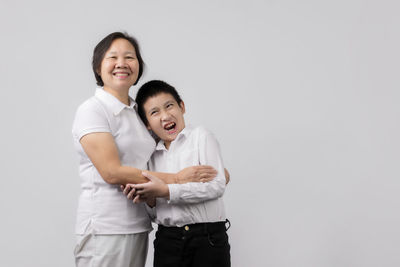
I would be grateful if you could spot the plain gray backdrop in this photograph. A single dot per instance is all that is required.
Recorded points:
(302, 95)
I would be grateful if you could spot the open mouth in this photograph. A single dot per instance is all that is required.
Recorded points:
(121, 74)
(170, 126)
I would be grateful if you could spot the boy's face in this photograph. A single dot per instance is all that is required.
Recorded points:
(164, 116)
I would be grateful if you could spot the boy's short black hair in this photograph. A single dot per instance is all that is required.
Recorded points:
(102, 47)
(150, 89)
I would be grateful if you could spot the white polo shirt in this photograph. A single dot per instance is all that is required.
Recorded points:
(191, 202)
(102, 205)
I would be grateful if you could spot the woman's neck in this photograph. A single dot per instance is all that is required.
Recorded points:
(122, 94)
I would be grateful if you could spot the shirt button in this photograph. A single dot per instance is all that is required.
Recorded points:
(187, 228)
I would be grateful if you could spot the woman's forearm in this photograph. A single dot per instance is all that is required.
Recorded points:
(123, 175)
(168, 178)
(102, 151)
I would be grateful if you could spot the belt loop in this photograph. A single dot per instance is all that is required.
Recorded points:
(229, 224)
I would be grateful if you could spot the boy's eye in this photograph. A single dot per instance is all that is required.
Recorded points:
(169, 105)
(129, 57)
(153, 112)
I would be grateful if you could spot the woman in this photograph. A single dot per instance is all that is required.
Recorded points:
(113, 147)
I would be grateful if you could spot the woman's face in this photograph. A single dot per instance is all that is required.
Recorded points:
(119, 68)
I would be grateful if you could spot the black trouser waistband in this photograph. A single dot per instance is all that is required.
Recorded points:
(197, 227)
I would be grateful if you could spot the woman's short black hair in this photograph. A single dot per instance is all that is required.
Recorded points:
(102, 47)
(150, 89)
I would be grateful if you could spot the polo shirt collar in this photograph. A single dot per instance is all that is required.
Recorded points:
(184, 133)
(112, 102)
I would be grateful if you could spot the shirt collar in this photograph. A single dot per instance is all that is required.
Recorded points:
(112, 102)
(183, 134)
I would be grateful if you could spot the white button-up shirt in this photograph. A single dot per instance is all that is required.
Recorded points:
(102, 205)
(191, 202)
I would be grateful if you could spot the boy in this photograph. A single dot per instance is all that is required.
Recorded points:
(190, 217)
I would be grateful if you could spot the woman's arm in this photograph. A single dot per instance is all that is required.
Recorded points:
(189, 192)
(102, 151)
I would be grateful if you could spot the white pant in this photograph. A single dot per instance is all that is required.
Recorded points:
(128, 250)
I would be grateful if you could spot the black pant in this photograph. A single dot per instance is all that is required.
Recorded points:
(194, 245)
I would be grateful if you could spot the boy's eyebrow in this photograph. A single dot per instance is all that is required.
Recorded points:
(152, 109)
(168, 101)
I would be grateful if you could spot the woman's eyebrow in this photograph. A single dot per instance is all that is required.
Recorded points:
(125, 53)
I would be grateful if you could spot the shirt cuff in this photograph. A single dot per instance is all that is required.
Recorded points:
(173, 193)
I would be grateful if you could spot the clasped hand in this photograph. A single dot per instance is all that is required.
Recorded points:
(146, 192)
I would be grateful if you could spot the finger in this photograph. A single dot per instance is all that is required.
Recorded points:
(122, 187)
(141, 186)
(205, 180)
(131, 194)
(141, 193)
(210, 171)
(206, 168)
(127, 189)
(136, 199)
(208, 175)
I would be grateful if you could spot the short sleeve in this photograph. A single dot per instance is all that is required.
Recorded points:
(90, 118)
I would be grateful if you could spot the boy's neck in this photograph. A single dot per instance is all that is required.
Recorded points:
(167, 144)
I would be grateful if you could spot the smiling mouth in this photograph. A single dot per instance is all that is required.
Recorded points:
(170, 126)
(121, 74)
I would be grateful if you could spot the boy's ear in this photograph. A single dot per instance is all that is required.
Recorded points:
(148, 126)
(182, 105)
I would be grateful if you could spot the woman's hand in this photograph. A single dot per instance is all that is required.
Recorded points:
(227, 176)
(202, 173)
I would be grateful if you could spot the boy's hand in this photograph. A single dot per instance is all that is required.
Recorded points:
(129, 191)
(152, 189)
(197, 174)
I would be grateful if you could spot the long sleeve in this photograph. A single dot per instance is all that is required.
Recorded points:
(209, 154)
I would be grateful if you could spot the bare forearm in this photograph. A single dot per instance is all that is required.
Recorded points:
(129, 175)
(123, 175)
(168, 178)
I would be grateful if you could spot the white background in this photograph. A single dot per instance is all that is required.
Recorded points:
(302, 95)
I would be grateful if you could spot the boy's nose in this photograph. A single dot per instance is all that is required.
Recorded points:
(165, 115)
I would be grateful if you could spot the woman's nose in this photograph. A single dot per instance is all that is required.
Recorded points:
(121, 63)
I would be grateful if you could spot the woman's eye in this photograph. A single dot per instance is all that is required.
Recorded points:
(153, 113)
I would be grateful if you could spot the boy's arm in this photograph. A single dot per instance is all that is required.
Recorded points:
(103, 152)
(210, 154)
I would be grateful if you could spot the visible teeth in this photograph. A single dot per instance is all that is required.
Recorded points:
(169, 126)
